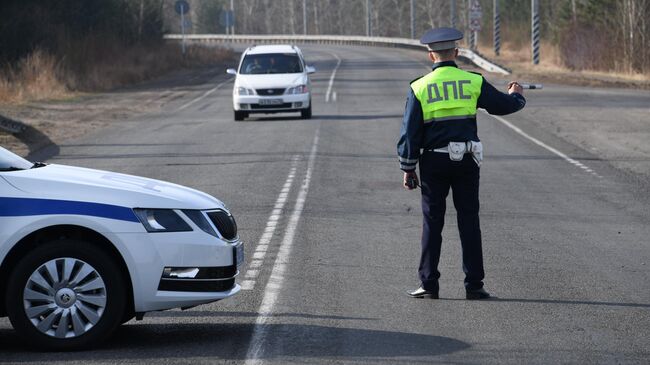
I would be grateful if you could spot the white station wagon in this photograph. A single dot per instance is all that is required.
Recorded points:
(272, 79)
(82, 251)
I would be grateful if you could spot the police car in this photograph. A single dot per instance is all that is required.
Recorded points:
(272, 79)
(82, 250)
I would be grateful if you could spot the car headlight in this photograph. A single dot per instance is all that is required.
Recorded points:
(161, 220)
(301, 89)
(245, 91)
(201, 221)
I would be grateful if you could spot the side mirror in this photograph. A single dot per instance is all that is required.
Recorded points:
(231, 71)
(310, 69)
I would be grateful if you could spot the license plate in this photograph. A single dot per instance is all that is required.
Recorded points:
(270, 101)
(238, 253)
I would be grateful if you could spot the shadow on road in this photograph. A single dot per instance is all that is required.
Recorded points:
(315, 117)
(191, 313)
(216, 341)
(559, 301)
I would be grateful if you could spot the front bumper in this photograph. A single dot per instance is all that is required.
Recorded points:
(148, 255)
(271, 104)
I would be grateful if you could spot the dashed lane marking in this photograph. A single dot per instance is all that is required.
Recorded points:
(262, 246)
(274, 285)
(544, 145)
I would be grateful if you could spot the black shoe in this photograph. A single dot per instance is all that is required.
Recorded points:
(477, 294)
(422, 293)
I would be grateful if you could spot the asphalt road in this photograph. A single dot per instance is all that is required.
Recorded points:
(565, 232)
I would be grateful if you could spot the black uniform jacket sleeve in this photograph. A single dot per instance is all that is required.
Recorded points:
(498, 103)
(410, 140)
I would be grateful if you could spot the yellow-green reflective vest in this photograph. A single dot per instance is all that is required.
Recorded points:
(448, 93)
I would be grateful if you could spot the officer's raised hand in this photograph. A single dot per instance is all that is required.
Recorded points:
(514, 87)
(411, 180)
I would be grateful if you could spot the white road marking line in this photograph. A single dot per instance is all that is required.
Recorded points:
(205, 94)
(255, 264)
(542, 144)
(252, 273)
(276, 279)
(331, 83)
(263, 244)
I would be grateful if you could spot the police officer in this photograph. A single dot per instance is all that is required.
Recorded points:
(439, 131)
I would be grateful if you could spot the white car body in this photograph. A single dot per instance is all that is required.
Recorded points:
(33, 199)
(271, 92)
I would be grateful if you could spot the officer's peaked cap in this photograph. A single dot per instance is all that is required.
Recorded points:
(439, 39)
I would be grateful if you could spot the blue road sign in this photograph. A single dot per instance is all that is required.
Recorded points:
(181, 7)
(227, 18)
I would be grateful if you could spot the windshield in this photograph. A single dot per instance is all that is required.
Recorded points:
(10, 161)
(271, 63)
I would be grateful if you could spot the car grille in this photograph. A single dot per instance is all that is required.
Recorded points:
(270, 91)
(276, 106)
(225, 224)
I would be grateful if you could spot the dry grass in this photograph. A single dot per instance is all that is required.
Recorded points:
(94, 64)
(37, 76)
(551, 67)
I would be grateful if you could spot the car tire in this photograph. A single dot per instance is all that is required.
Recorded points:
(66, 295)
(306, 113)
(239, 115)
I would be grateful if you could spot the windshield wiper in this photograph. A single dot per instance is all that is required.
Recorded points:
(38, 164)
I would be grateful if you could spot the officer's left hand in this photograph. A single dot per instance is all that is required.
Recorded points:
(514, 87)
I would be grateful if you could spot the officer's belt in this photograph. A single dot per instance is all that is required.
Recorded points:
(456, 150)
(445, 149)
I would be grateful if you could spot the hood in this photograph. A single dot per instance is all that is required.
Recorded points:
(269, 81)
(81, 184)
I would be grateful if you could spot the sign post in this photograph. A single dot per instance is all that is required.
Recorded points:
(227, 20)
(475, 15)
(452, 13)
(182, 7)
(496, 23)
(534, 4)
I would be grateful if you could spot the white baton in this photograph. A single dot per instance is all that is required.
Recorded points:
(532, 86)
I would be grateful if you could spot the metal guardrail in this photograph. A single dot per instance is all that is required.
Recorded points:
(11, 126)
(470, 55)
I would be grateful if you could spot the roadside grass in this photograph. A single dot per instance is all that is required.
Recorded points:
(93, 64)
(551, 67)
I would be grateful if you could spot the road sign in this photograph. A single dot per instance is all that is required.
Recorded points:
(182, 7)
(475, 16)
(475, 25)
(227, 18)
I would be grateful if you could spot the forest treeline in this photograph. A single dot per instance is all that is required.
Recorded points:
(589, 34)
(51, 47)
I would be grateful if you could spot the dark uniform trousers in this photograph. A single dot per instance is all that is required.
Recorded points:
(437, 174)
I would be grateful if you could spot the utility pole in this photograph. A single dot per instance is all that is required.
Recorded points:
(232, 9)
(412, 19)
(183, 27)
(368, 23)
(535, 30)
(452, 13)
(496, 24)
(304, 17)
